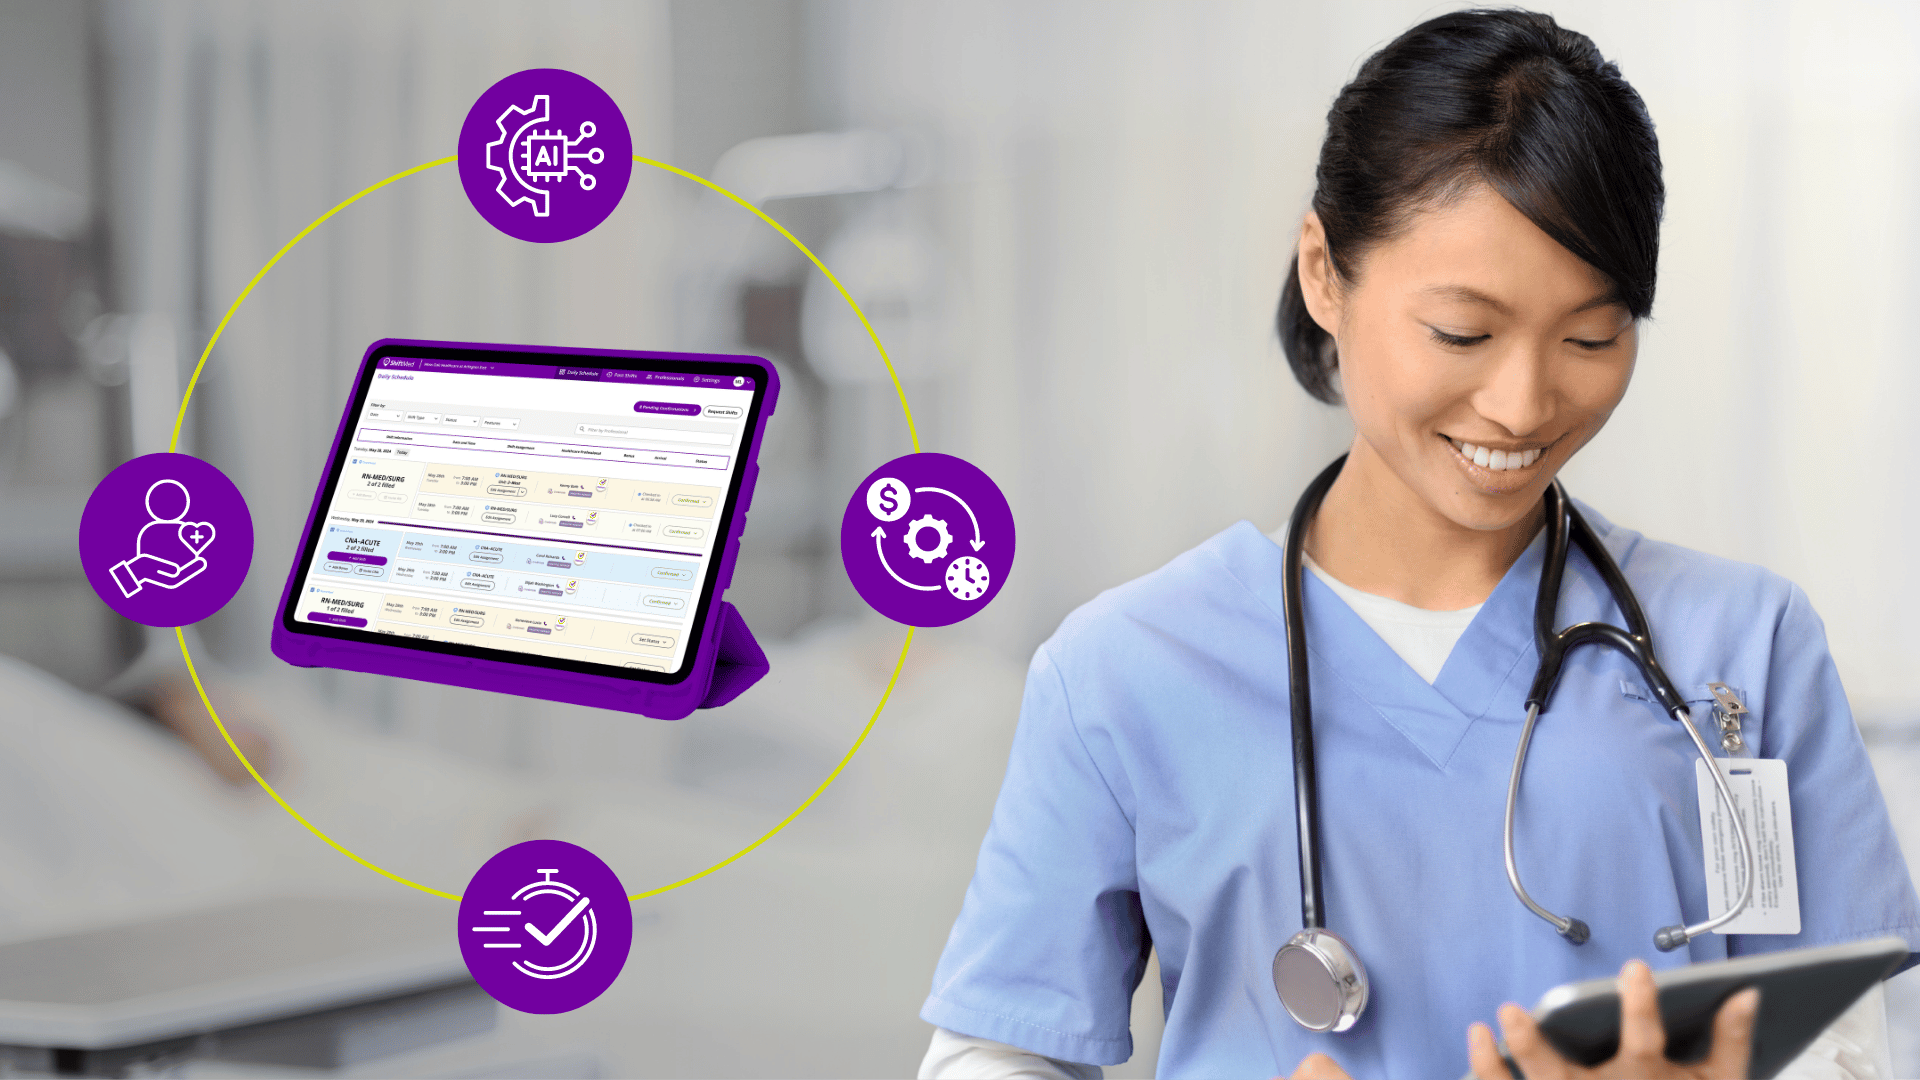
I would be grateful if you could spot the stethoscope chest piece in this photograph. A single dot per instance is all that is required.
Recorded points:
(1320, 980)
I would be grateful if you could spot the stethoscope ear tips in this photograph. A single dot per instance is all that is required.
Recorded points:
(1320, 980)
(1670, 938)
(1576, 932)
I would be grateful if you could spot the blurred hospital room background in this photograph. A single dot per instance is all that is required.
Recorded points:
(1069, 223)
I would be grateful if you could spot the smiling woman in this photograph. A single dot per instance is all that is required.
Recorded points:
(1477, 355)
(1469, 282)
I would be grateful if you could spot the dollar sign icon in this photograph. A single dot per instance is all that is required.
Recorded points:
(888, 499)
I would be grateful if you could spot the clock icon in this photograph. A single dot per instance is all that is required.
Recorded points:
(967, 578)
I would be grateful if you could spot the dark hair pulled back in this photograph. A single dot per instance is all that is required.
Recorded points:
(1506, 98)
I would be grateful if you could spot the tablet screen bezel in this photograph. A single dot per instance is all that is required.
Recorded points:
(669, 363)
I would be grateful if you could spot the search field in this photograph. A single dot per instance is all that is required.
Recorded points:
(655, 434)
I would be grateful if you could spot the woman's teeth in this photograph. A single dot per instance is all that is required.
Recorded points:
(1496, 460)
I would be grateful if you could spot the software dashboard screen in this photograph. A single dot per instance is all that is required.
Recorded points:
(571, 513)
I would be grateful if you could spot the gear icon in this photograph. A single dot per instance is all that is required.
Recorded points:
(913, 539)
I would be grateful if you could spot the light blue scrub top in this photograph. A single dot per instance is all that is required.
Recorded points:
(1149, 800)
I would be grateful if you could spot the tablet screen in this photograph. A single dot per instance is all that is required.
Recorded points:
(572, 514)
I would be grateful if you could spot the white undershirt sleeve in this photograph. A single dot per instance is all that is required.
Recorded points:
(953, 1056)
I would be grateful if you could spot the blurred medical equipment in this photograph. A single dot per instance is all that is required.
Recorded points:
(764, 170)
(55, 406)
(317, 983)
(850, 196)
(1317, 974)
(32, 206)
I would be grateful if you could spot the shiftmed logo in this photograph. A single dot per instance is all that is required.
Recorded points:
(545, 155)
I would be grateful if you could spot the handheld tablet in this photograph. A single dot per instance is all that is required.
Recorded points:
(1801, 992)
(554, 523)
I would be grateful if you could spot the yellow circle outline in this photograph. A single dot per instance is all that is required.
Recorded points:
(180, 418)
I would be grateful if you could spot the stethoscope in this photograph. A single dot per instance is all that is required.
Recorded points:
(1318, 975)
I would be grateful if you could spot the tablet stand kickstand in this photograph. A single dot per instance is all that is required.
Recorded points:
(738, 660)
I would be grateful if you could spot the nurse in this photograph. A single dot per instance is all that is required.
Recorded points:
(1469, 282)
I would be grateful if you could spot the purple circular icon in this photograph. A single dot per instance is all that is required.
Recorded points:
(545, 155)
(545, 927)
(927, 539)
(166, 539)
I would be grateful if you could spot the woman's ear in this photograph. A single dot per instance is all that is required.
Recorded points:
(1319, 284)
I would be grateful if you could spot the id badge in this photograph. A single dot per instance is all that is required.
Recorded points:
(1760, 791)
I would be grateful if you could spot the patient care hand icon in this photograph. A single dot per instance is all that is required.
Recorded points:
(167, 551)
(166, 539)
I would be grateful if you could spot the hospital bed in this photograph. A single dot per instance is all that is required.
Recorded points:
(305, 983)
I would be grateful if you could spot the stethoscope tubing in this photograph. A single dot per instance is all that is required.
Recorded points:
(1306, 789)
(1564, 521)
(1667, 938)
(1673, 937)
(1570, 928)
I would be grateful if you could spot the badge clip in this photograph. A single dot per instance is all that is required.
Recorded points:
(1727, 711)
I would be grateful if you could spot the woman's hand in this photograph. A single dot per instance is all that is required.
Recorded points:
(1643, 1041)
(1318, 1067)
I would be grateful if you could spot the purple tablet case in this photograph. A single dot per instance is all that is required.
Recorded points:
(726, 661)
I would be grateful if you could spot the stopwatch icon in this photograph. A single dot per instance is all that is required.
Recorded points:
(549, 944)
(967, 578)
(549, 913)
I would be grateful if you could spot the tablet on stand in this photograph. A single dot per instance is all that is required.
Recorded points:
(553, 523)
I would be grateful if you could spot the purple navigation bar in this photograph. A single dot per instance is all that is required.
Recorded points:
(676, 378)
(550, 371)
(469, 367)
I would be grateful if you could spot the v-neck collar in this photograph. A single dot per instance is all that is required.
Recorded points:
(1498, 641)
(1433, 717)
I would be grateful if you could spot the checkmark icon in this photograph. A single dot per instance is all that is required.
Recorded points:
(547, 938)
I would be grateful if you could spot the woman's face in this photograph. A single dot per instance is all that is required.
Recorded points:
(1476, 355)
